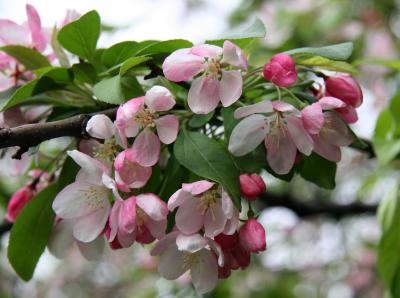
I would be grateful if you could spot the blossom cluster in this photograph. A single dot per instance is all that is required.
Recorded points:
(198, 229)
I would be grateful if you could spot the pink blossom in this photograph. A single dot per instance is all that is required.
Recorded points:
(128, 173)
(141, 218)
(251, 186)
(199, 255)
(138, 118)
(346, 89)
(86, 201)
(18, 201)
(203, 204)
(252, 236)
(215, 84)
(281, 70)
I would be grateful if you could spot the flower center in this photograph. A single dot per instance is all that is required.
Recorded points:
(213, 67)
(107, 151)
(94, 197)
(141, 216)
(208, 199)
(145, 118)
(190, 260)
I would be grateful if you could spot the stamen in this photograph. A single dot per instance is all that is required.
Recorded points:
(145, 118)
(94, 197)
(190, 260)
(107, 151)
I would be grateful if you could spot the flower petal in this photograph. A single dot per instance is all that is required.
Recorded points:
(127, 215)
(326, 150)
(92, 251)
(203, 95)
(147, 148)
(282, 106)
(206, 50)
(197, 187)
(13, 34)
(157, 227)
(205, 273)
(330, 103)
(159, 99)
(91, 166)
(178, 198)
(167, 128)
(152, 205)
(214, 220)
(234, 55)
(100, 127)
(248, 134)
(335, 131)
(89, 227)
(38, 38)
(190, 243)
(163, 244)
(258, 108)
(299, 135)
(313, 118)
(230, 88)
(188, 218)
(182, 65)
(171, 264)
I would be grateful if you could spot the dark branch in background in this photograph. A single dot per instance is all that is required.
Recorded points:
(314, 208)
(5, 227)
(30, 135)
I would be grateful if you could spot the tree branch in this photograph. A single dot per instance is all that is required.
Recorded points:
(30, 135)
(314, 208)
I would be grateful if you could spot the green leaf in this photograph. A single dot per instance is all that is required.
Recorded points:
(389, 246)
(243, 37)
(84, 73)
(175, 175)
(119, 52)
(109, 90)
(163, 47)
(30, 58)
(80, 37)
(30, 232)
(200, 120)
(318, 170)
(341, 51)
(209, 159)
(328, 64)
(132, 62)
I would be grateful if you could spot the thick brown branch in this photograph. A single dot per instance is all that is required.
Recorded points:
(315, 208)
(30, 135)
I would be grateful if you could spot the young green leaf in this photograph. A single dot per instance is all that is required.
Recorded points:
(341, 52)
(109, 90)
(328, 64)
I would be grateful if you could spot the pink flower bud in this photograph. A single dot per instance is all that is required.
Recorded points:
(251, 186)
(227, 241)
(252, 236)
(18, 201)
(345, 88)
(281, 70)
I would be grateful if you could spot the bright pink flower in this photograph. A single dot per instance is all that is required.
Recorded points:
(281, 128)
(215, 84)
(251, 186)
(128, 173)
(18, 201)
(281, 70)
(202, 204)
(138, 118)
(141, 218)
(181, 253)
(86, 201)
(346, 89)
(252, 236)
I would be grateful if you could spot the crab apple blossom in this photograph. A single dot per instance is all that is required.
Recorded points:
(346, 88)
(251, 186)
(252, 236)
(181, 253)
(213, 81)
(281, 70)
(87, 199)
(204, 204)
(141, 218)
(140, 116)
(282, 131)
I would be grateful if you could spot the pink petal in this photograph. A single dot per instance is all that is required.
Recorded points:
(178, 198)
(299, 135)
(205, 273)
(163, 244)
(282, 106)
(6, 82)
(147, 147)
(87, 228)
(38, 38)
(113, 220)
(167, 128)
(326, 150)
(159, 99)
(348, 114)
(13, 34)
(203, 95)
(234, 55)
(258, 108)
(152, 205)
(171, 264)
(313, 118)
(190, 243)
(197, 187)
(100, 127)
(214, 220)
(127, 215)
(227, 205)
(230, 88)
(335, 131)
(281, 150)
(248, 134)
(329, 103)
(189, 219)
(181, 65)
(206, 50)
(156, 227)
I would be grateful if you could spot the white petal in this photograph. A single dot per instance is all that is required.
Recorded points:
(214, 220)
(205, 274)
(190, 243)
(257, 108)
(100, 126)
(89, 227)
(171, 264)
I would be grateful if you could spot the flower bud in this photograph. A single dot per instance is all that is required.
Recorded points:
(227, 242)
(281, 70)
(252, 236)
(18, 201)
(251, 186)
(345, 88)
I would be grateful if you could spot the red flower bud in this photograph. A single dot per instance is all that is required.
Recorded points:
(345, 88)
(281, 70)
(251, 186)
(18, 201)
(252, 236)
(227, 242)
